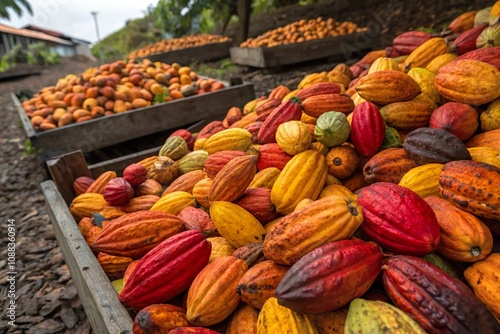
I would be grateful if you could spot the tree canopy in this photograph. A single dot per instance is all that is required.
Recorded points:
(17, 6)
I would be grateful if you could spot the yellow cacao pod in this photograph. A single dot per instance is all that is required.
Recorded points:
(490, 119)
(86, 204)
(174, 202)
(276, 319)
(423, 180)
(229, 139)
(220, 248)
(303, 177)
(490, 155)
(426, 52)
(383, 64)
(293, 137)
(440, 61)
(425, 80)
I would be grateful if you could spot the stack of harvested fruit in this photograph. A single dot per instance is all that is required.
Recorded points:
(312, 211)
(301, 31)
(178, 44)
(113, 88)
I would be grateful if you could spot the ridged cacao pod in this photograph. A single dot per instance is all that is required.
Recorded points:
(229, 139)
(440, 61)
(259, 283)
(289, 110)
(406, 116)
(243, 320)
(472, 186)
(192, 330)
(113, 266)
(187, 135)
(167, 270)
(490, 118)
(216, 161)
(136, 233)
(330, 322)
(236, 224)
(98, 185)
(251, 253)
(383, 64)
(486, 55)
(118, 191)
(274, 318)
(194, 160)
(258, 202)
(330, 276)
(86, 204)
(458, 118)
(464, 237)
(425, 80)
(468, 81)
(487, 139)
(463, 22)
(342, 161)
(271, 155)
(407, 42)
(332, 128)
(212, 296)
(483, 277)
(197, 219)
(185, 182)
(489, 155)
(220, 248)
(430, 49)
(303, 177)
(466, 42)
(210, 129)
(233, 179)
(135, 174)
(377, 317)
(200, 191)
(267, 106)
(367, 129)
(81, 184)
(234, 114)
(149, 187)
(174, 147)
(328, 219)
(318, 88)
(265, 178)
(384, 87)
(423, 180)
(429, 145)
(317, 105)
(164, 170)
(450, 306)
(398, 219)
(160, 318)
(388, 165)
(293, 137)
(144, 202)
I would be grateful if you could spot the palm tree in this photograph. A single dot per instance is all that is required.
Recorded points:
(18, 6)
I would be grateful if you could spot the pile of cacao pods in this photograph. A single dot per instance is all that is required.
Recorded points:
(178, 44)
(113, 88)
(366, 206)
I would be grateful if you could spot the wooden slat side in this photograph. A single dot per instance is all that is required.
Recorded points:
(104, 311)
(65, 169)
(106, 131)
(28, 128)
(205, 52)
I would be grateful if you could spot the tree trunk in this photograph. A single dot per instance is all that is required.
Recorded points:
(244, 11)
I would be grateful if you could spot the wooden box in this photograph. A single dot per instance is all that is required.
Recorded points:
(341, 48)
(207, 52)
(106, 131)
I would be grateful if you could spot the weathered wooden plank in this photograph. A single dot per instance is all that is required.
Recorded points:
(25, 120)
(106, 131)
(104, 311)
(65, 169)
(340, 48)
(205, 52)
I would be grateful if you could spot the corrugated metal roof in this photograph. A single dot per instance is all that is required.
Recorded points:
(55, 34)
(32, 34)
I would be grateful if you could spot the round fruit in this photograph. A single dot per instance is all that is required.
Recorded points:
(118, 191)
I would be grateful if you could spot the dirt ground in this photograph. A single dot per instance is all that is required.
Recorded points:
(46, 297)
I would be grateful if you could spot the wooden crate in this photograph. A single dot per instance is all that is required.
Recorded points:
(105, 312)
(200, 53)
(341, 48)
(106, 131)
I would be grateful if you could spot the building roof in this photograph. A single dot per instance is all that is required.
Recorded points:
(55, 34)
(32, 34)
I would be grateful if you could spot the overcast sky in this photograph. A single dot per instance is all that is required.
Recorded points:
(73, 18)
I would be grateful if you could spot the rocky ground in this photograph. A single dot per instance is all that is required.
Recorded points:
(46, 298)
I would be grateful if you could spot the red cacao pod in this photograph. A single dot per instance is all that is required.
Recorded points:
(367, 129)
(271, 155)
(330, 276)
(216, 161)
(210, 129)
(398, 219)
(407, 42)
(487, 55)
(318, 89)
(166, 270)
(254, 128)
(118, 191)
(433, 298)
(268, 106)
(135, 174)
(458, 118)
(257, 201)
(149, 187)
(81, 184)
(290, 110)
(187, 135)
(197, 219)
(466, 42)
